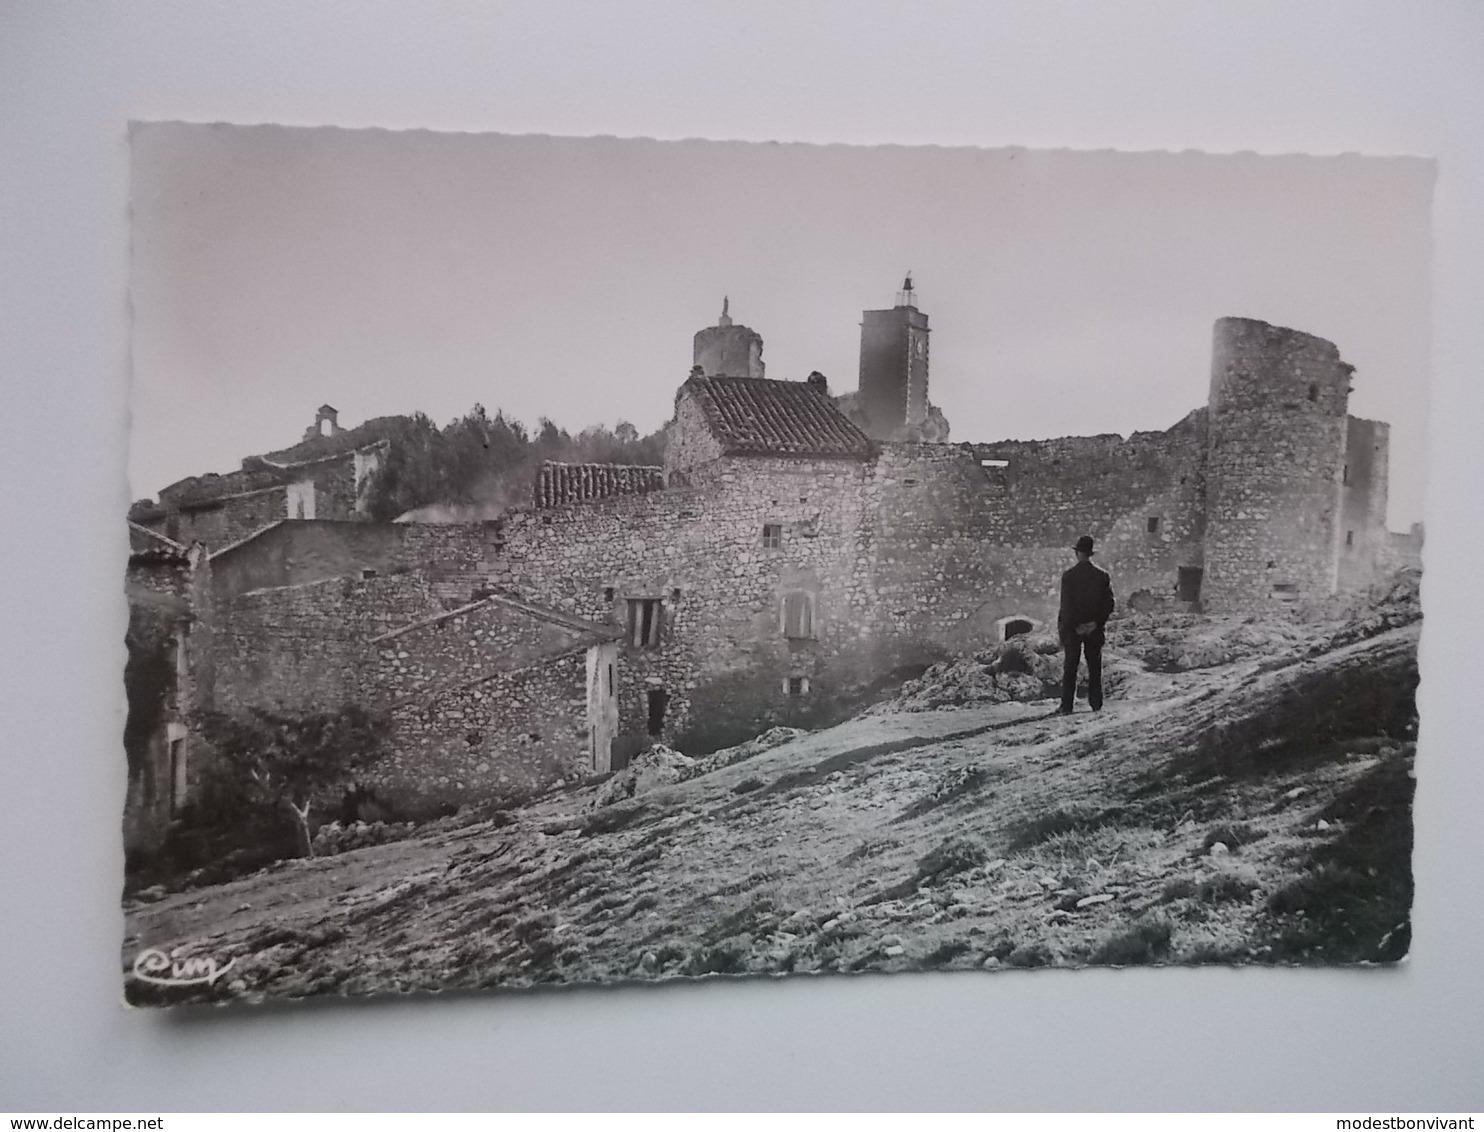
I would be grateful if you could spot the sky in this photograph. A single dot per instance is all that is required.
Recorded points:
(1069, 293)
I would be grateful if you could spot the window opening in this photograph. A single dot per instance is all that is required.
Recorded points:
(610, 679)
(796, 685)
(1349, 538)
(1313, 393)
(1285, 591)
(1345, 474)
(1152, 524)
(607, 593)
(1017, 627)
(644, 622)
(798, 616)
(772, 536)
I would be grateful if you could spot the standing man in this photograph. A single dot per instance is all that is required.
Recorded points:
(1086, 605)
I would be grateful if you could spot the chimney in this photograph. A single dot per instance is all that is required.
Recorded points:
(817, 380)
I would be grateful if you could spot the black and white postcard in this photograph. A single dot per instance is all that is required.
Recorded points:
(562, 561)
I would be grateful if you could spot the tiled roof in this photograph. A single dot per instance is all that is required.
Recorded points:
(575, 483)
(756, 416)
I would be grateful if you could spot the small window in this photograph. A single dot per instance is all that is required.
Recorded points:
(1285, 591)
(675, 594)
(772, 536)
(1349, 538)
(1345, 474)
(607, 593)
(796, 686)
(367, 574)
(909, 482)
(798, 616)
(1152, 524)
(473, 738)
(610, 679)
(1313, 393)
(644, 622)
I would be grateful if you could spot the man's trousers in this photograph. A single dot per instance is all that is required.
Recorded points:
(1073, 647)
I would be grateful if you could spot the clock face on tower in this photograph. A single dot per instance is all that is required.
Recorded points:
(921, 346)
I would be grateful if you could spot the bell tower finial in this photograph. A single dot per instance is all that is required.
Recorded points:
(726, 318)
(907, 297)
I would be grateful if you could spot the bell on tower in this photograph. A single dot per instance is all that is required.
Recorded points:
(907, 297)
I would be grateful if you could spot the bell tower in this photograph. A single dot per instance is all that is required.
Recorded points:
(894, 368)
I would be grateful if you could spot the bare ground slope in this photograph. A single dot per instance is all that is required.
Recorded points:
(1253, 811)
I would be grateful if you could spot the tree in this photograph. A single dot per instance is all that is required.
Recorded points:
(285, 762)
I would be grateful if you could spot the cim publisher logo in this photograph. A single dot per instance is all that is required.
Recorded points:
(156, 967)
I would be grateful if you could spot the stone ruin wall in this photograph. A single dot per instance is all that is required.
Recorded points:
(1277, 442)
(1363, 498)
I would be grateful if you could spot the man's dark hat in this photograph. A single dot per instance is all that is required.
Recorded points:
(1084, 545)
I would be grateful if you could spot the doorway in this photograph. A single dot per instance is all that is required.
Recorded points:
(1188, 587)
(658, 699)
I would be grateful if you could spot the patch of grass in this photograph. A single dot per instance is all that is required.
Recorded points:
(641, 861)
(870, 847)
(1045, 826)
(533, 928)
(1029, 955)
(1179, 888)
(945, 953)
(611, 819)
(728, 957)
(1232, 836)
(1354, 902)
(1227, 888)
(755, 917)
(957, 784)
(955, 855)
(1145, 941)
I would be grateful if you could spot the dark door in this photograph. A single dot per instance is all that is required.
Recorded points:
(1190, 583)
(659, 699)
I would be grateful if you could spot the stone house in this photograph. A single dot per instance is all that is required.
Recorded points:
(327, 475)
(164, 584)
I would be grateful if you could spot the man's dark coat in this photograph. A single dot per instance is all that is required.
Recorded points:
(1086, 595)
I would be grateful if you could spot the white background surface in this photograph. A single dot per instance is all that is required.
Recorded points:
(1271, 77)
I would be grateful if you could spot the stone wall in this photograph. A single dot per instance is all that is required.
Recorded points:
(1277, 441)
(689, 443)
(475, 713)
(508, 734)
(457, 558)
(1363, 496)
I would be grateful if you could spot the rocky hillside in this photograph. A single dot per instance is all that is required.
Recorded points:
(1251, 809)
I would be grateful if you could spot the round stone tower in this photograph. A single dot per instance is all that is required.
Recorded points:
(1274, 463)
(729, 350)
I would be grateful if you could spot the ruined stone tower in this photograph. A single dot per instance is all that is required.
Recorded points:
(894, 369)
(1275, 460)
(728, 349)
